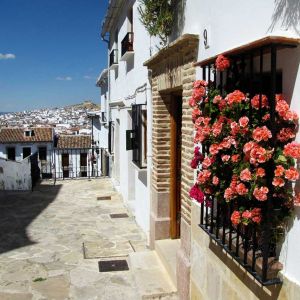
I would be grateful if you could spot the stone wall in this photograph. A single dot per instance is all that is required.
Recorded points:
(172, 72)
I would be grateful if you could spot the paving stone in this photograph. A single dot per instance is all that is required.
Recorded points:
(45, 231)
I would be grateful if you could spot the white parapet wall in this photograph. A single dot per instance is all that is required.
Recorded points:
(15, 176)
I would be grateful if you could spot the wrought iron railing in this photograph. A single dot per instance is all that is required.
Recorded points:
(127, 43)
(252, 246)
(113, 57)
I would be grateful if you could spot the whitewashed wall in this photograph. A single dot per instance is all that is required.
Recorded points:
(15, 175)
(124, 81)
(234, 23)
(19, 149)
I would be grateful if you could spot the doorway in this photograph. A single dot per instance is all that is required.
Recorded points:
(65, 164)
(26, 152)
(175, 171)
(83, 164)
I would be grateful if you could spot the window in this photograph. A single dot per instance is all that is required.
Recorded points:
(253, 71)
(42, 153)
(26, 152)
(11, 153)
(136, 139)
(111, 137)
(29, 133)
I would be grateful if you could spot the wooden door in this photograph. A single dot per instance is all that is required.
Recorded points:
(65, 164)
(175, 182)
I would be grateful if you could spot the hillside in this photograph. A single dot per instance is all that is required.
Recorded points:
(87, 105)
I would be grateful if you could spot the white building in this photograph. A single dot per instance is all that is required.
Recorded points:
(75, 158)
(17, 143)
(125, 94)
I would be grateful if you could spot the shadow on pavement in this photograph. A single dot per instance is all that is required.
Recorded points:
(18, 210)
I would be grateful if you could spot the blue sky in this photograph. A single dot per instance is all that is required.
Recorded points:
(50, 52)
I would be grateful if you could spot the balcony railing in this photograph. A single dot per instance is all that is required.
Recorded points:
(127, 43)
(113, 57)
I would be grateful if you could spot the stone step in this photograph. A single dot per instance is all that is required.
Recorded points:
(167, 251)
(151, 278)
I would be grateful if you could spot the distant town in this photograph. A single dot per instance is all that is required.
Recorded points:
(72, 119)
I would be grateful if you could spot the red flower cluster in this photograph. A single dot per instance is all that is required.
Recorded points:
(197, 194)
(255, 102)
(246, 216)
(240, 147)
(198, 158)
(222, 63)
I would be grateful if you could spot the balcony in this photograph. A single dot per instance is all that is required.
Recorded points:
(127, 46)
(113, 58)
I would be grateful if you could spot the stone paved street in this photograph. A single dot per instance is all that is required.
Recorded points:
(41, 238)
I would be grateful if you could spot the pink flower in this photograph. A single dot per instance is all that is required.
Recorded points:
(279, 182)
(256, 215)
(199, 83)
(236, 217)
(197, 194)
(279, 171)
(217, 128)
(206, 162)
(196, 113)
(247, 214)
(241, 189)
(285, 134)
(225, 158)
(243, 121)
(217, 99)
(248, 147)
(215, 180)
(235, 158)
(261, 134)
(255, 101)
(235, 129)
(260, 172)
(291, 174)
(214, 149)
(292, 149)
(245, 175)
(203, 176)
(198, 93)
(229, 194)
(193, 102)
(222, 63)
(261, 193)
(235, 97)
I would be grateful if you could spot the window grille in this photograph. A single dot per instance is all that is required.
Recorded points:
(136, 139)
(251, 247)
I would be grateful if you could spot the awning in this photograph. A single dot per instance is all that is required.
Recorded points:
(280, 41)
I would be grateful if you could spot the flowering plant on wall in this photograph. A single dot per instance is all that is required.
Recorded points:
(249, 161)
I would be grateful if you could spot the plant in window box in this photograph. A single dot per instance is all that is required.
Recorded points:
(250, 158)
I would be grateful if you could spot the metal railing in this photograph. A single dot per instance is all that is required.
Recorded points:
(127, 43)
(251, 246)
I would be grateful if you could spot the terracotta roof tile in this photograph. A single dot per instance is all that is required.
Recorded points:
(17, 135)
(74, 141)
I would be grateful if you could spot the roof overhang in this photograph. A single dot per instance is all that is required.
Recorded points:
(113, 10)
(280, 41)
(102, 78)
(119, 103)
(182, 42)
